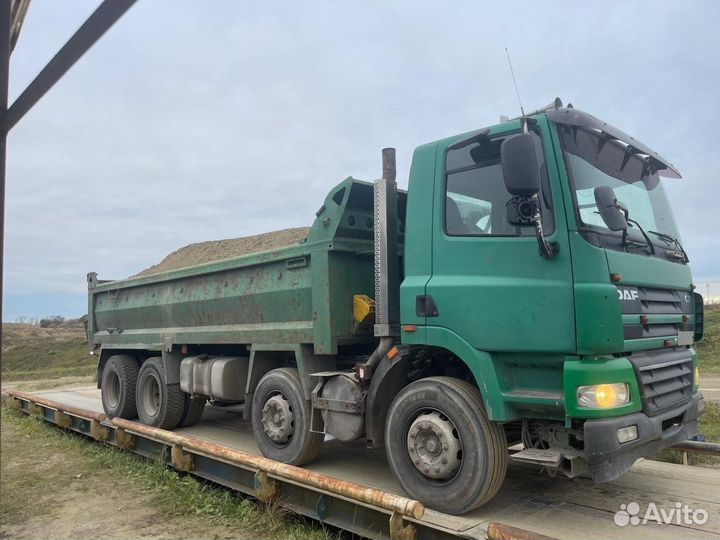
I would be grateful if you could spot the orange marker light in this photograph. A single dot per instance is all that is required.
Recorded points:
(409, 328)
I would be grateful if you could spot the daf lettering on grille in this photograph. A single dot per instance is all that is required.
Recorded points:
(627, 294)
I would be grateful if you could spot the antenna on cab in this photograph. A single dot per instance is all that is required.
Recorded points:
(523, 119)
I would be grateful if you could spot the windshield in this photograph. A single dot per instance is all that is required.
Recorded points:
(594, 160)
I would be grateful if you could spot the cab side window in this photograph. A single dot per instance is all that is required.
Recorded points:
(475, 195)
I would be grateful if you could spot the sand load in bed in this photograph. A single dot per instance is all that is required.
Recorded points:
(215, 250)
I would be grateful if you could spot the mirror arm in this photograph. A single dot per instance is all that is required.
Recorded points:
(547, 249)
(625, 211)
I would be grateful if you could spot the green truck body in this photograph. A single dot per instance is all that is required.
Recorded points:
(528, 328)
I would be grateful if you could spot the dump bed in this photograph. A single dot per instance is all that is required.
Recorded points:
(297, 294)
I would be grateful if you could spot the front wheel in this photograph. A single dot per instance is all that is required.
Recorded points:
(442, 448)
(281, 419)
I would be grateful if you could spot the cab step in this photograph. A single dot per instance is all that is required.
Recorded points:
(538, 456)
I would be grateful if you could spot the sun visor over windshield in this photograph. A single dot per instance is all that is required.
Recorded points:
(603, 131)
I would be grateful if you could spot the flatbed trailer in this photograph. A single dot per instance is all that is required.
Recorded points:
(352, 488)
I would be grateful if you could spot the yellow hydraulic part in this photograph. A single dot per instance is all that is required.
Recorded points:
(363, 308)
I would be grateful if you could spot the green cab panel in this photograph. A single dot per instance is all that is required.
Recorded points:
(642, 270)
(418, 240)
(495, 290)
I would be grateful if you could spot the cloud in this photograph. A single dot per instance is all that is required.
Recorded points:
(187, 123)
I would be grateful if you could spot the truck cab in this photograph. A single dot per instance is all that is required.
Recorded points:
(583, 352)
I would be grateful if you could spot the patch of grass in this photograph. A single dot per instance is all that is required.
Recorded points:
(710, 422)
(28, 478)
(50, 373)
(31, 352)
(708, 348)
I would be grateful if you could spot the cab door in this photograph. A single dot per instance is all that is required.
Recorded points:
(489, 282)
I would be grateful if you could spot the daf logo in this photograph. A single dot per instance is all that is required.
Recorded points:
(627, 294)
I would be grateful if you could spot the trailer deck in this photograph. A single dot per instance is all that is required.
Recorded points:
(557, 507)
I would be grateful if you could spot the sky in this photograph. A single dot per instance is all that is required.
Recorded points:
(193, 121)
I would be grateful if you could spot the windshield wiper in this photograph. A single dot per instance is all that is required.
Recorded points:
(631, 242)
(680, 254)
(625, 242)
(645, 236)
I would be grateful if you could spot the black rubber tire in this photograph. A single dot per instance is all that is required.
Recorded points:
(119, 379)
(193, 408)
(158, 404)
(304, 445)
(484, 459)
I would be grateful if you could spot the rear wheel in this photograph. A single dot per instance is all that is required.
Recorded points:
(442, 448)
(281, 419)
(119, 377)
(158, 404)
(193, 408)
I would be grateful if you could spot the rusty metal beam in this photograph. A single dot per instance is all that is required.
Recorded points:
(77, 411)
(382, 499)
(358, 509)
(357, 492)
(501, 531)
(92, 29)
(697, 447)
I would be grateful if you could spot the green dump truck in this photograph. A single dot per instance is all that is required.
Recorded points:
(529, 292)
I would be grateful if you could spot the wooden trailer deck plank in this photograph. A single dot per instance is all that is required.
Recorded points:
(558, 507)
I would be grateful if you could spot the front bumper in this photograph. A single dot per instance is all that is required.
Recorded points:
(607, 459)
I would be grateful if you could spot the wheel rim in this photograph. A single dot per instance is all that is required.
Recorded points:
(150, 395)
(278, 420)
(434, 446)
(112, 389)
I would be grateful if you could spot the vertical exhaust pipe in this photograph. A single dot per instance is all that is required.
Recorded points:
(387, 260)
(389, 167)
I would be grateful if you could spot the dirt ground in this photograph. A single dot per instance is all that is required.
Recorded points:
(216, 250)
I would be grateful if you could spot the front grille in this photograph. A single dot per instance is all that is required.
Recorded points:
(665, 378)
(651, 301)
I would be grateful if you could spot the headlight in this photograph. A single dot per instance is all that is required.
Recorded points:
(696, 378)
(603, 396)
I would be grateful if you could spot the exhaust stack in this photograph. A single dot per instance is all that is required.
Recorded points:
(387, 261)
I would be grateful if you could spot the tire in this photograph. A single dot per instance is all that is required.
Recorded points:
(158, 404)
(281, 391)
(443, 415)
(193, 408)
(118, 381)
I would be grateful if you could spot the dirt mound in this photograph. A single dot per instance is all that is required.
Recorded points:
(216, 250)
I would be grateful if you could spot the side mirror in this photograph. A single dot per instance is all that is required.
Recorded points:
(610, 211)
(520, 164)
